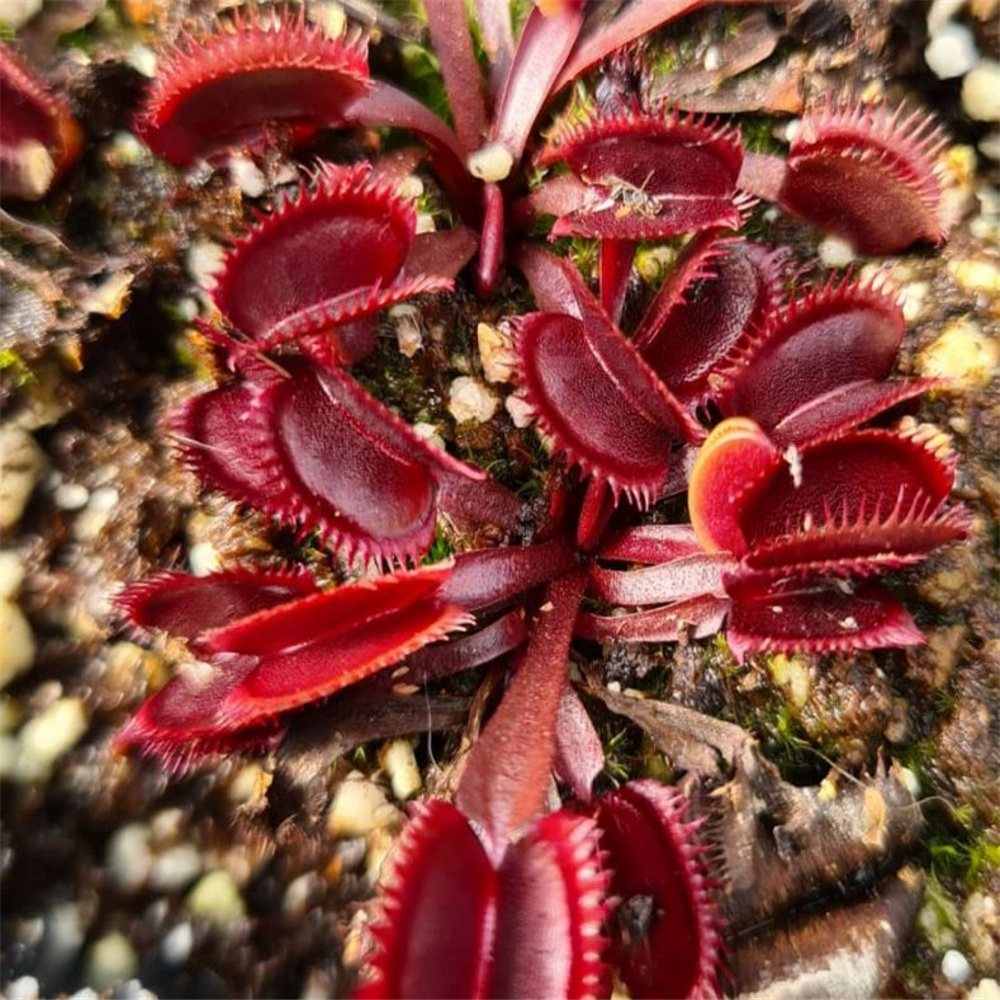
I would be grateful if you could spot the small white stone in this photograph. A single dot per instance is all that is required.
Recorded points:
(14, 14)
(519, 410)
(71, 496)
(981, 91)
(87, 993)
(985, 989)
(45, 738)
(204, 262)
(469, 399)
(12, 573)
(110, 961)
(400, 763)
(93, 519)
(496, 351)
(176, 947)
(247, 176)
(134, 990)
(23, 988)
(409, 333)
(21, 466)
(941, 12)
(951, 52)
(17, 642)
(492, 163)
(835, 252)
(216, 898)
(911, 781)
(142, 59)
(914, 299)
(425, 223)
(129, 858)
(955, 967)
(989, 146)
(430, 434)
(712, 59)
(299, 893)
(203, 558)
(176, 868)
(359, 806)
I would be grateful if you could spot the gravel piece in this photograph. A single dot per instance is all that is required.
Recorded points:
(129, 858)
(359, 806)
(21, 465)
(981, 92)
(45, 738)
(217, 898)
(985, 989)
(951, 52)
(400, 763)
(469, 399)
(955, 967)
(176, 946)
(24, 988)
(176, 868)
(409, 333)
(110, 960)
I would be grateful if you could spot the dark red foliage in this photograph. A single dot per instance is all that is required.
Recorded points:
(313, 448)
(795, 505)
(314, 271)
(264, 78)
(647, 175)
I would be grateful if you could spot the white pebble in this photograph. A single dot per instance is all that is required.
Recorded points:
(981, 91)
(17, 642)
(712, 59)
(176, 868)
(176, 946)
(519, 410)
(142, 59)
(951, 52)
(430, 434)
(955, 967)
(911, 780)
(71, 496)
(247, 176)
(93, 519)
(111, 960)
(216, 898)
(835, 252)
(469, 399)
(12, 574)
(941, 12)
(985, 989)
(496, 352)
(87, 993)
(400, 763)
(21, 465)
(491, 163)
(24, 988)
(45, 738)
(204, 261)
(129, 858)
(15, 14)
(359, 806)
(203, 558)
(989, 145)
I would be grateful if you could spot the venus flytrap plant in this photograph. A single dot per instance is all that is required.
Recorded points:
(750, 396)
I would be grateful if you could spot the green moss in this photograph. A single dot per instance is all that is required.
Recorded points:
(15, 372)
(440, 549)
